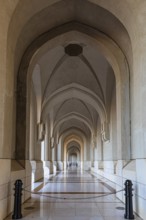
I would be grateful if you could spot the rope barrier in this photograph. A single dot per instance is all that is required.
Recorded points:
(64, 198)
(128, 198)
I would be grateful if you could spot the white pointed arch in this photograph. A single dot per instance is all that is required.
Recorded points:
(73, 115)
(72, 91)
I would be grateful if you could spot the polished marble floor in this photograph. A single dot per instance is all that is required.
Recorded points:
(74, 195)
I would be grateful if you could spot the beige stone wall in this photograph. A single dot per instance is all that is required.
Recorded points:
(6, 82)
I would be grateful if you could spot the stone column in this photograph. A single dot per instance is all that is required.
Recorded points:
(47, 145)
(47, 162)
(99, 151)
(59, 158)
(92, 152)
(32, 123)
(123, 114)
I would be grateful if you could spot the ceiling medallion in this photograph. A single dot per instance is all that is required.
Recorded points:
(73, 49)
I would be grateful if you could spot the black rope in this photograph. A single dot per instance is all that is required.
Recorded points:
(64, 198)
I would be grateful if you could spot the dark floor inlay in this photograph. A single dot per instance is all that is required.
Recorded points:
(120, 208)
(100, 193)
(29, 208)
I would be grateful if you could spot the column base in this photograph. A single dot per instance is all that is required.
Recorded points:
(49, 168)
(60, 166)
(37, 170)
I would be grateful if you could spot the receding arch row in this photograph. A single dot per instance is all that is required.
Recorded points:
(73, 115)
(73, 144)
(84, 105)
(102, 42)
(72, 134)
(72, 91)
(73, 154)
(70, 138)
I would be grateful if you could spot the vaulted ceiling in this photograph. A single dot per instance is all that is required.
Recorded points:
(77, 66)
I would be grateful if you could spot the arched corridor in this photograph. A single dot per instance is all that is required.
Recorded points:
(73, 99)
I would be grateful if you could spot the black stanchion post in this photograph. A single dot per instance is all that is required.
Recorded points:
(17, 200)
(128, 200)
